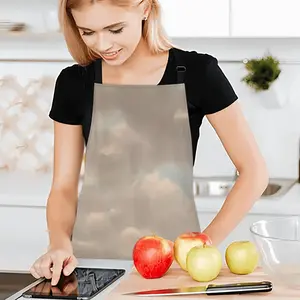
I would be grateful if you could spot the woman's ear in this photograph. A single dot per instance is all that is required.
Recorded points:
(147, 8)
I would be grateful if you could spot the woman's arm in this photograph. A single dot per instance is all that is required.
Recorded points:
(238, 140)
(62, 201)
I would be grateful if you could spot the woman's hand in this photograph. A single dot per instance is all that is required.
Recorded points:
(238, 140)
(68, 286)
(53, 263)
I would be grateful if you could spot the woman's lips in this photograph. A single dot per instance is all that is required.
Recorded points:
(110, 55)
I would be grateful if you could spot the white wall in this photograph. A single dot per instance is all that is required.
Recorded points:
(277, 131)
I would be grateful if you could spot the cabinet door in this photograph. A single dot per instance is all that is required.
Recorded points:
(265, 18)
(196, 18)
(23, 236)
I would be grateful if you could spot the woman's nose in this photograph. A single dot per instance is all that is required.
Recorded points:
(103, 43)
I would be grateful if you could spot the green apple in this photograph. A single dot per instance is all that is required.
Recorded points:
(204, 263)
(241, 257)
(185, 242)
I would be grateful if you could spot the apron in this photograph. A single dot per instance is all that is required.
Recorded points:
(138, 177)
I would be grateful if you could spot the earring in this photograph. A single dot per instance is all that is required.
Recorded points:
(145, 18)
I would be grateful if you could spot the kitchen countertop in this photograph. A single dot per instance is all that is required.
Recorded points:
(122, 264)
(32, 190)
(177, 277)
(132, 281)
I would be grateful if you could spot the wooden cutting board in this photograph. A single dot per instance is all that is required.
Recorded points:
(177, 277)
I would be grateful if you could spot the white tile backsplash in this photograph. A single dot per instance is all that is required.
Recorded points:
(277, 130)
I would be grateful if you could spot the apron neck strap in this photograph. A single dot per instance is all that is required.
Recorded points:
(180, 66)
(180, 74)
(180, 70)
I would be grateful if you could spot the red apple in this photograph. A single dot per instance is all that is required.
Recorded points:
(185, 242)
(153, 256)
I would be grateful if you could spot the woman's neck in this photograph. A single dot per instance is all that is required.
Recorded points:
(143, 67)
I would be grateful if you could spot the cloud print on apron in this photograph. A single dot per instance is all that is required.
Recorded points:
(139, 169)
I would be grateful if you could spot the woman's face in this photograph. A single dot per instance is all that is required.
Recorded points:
(112, 31)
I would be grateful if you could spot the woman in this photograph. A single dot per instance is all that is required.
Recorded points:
(121, 43)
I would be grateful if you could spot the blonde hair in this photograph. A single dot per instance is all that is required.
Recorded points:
(153, 31)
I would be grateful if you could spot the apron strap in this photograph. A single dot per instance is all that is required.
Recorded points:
(98, 71)
(180, 66)
(180, 74)
(180, 70)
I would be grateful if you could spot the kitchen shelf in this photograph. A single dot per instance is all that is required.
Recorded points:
(31, 36)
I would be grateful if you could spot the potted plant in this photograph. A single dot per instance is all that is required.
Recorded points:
(262, 78)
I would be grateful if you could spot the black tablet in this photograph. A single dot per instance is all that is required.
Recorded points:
(82, 284)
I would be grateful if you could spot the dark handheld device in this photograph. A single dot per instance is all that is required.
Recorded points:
(82, 284)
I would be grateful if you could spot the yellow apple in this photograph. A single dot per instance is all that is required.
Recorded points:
(241, 257)
(204, 263)
(185, 242)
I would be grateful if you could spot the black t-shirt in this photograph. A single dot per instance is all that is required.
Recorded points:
(207, 89)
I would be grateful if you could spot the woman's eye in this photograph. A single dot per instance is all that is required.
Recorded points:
(87, 32)
(117, 31)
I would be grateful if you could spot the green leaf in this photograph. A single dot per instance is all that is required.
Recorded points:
(262, 72)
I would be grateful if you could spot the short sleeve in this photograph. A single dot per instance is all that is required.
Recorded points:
(218, 92)
(66, 98)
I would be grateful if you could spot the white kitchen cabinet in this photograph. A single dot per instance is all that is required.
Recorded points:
(23, 236)
(196, 18)
(265, 18)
